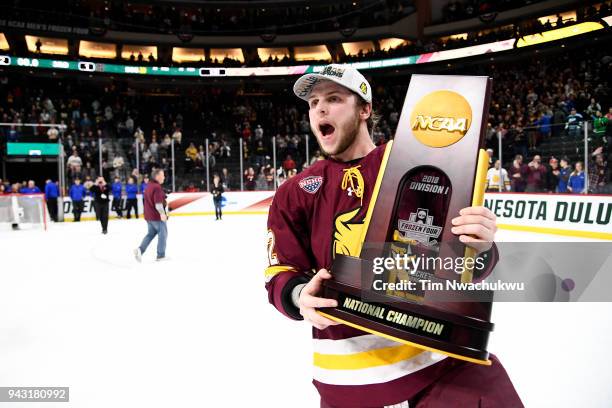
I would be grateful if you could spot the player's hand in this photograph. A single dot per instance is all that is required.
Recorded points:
(163, 217)
(476, 227)
(308, 301)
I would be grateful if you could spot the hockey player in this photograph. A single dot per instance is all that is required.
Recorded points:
(319, 213)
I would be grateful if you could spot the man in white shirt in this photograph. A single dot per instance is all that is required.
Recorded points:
(496, 177)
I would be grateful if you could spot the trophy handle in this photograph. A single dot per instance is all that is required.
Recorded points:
(477, 199)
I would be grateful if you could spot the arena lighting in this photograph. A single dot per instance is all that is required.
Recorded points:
(353, 48)
(91, 49)
(265, 53)
(312, 52)
(118, 69)
(222, 53)
(47, 45)
(558, 34)
(181, 55)
(390, 43)
(145, 50)
(4, 45)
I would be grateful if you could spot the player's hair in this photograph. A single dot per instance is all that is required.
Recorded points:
(374, 116)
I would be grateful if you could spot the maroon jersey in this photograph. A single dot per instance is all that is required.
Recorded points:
(313, 216)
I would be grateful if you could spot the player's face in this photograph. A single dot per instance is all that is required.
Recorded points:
(334, 117)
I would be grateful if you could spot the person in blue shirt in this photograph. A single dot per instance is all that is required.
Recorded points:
(576, 182)
(77, 193)
(544, 125)
(30, 189)
(116, 188)
(564, 173)
(131, 190)
(51, 194)
(144, 184)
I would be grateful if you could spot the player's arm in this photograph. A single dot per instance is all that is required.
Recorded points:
(290, 289)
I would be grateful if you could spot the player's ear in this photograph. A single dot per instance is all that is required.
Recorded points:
(365, 110)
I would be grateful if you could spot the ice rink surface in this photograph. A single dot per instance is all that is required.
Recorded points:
(77, 310)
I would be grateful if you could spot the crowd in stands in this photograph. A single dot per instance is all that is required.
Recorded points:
(214, 18)
(536, 102)
(456, 10)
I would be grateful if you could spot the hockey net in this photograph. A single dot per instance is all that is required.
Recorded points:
(21, 211)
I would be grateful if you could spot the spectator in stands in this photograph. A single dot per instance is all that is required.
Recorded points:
(119, 165)
(518, 174)
(101, 194)
(144, 184)
(259, 133)
(226, 179)
(250, 181)
(51, 194)
(593, 108)
(573, 125)
(77, 195)
(490, 154)
(116, 188)
(494, 181)
(261, 183)
(609, 124)
(536, 175)
(89, 171)
(558, 120)
(191, 188)
(154, 149)
(600, 124)
(131, 191)
(289, 163)
(74, 163)
(52, 134)
(212, 160)
(564, 173)
(599, 173)
(31, 188)
(543, 123)
(191, 155)
(552, 175)
(88, 183)
(177, 136)
(576, 182)
(316, 157)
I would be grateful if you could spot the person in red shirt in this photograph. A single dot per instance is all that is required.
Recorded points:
(155, 215)
(319, 213)
(289, 163)
(536, 174)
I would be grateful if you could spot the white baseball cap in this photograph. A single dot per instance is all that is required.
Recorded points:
(344, 75)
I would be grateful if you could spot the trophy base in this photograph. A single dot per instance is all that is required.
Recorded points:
(418, 325)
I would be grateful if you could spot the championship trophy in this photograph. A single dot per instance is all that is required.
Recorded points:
(434, 167)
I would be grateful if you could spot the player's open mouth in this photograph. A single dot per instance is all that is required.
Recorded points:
(326, 129)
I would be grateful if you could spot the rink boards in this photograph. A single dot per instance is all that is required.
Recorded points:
(559, 214)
